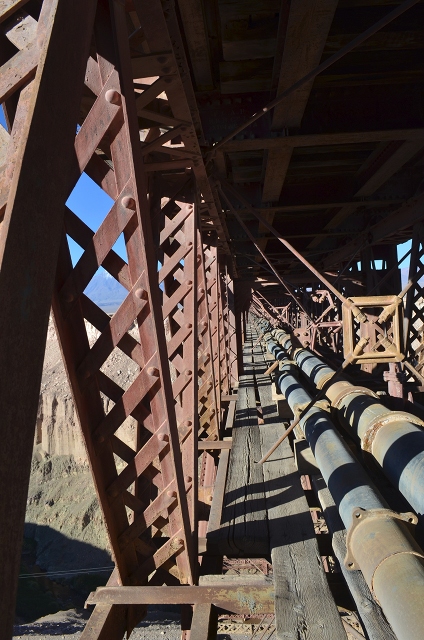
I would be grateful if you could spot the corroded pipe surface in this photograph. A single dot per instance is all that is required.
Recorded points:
(394, 438)
(379, 542)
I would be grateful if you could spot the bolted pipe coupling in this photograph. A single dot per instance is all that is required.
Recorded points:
(376, 535)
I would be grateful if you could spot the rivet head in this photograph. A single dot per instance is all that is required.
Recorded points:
(112, 96)
(201, 291)
(128, 202)
(153, 371)
(188, 372)
(141, 293)
(171, 494)
(179, 541)
(187, 423)
(204, 325)
(189, 244)
(188, 478)
(189, 325)
(101, 439)
(70, 296)
(163, 437)
(210, 498)
(189, 282)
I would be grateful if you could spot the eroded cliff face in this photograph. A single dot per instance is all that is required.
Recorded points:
(58, 432)
(63, 515)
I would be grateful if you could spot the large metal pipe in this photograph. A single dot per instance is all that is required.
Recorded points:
(394, 438)
(379, 543)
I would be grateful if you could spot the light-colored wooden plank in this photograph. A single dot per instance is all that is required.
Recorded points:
(243, 530)
(304, 606)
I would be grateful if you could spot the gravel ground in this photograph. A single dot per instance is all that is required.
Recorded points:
(158, 625)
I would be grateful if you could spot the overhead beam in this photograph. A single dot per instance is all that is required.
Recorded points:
(307, 31)
(323, 139)
(383, 170)
(197, 42)
(403, 218)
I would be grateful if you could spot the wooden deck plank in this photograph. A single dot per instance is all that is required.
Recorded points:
(304, 606)
(244, 529)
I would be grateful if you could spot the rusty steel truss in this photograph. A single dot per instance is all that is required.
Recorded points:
(220, 218)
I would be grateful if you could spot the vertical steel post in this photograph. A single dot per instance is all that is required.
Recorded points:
(51, 76)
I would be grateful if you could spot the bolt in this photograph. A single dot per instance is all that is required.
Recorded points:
(128, 203)
(141, 293)
(114, 97)
(153, 371)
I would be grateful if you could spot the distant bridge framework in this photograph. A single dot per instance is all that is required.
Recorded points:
(251, 197)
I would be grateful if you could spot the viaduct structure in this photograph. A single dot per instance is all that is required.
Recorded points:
(264, 161)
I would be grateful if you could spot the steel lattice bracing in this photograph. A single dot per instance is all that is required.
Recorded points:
(237, 218)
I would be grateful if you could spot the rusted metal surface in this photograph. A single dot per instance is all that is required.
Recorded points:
(244, 597)
(48, 71)
(209, 247)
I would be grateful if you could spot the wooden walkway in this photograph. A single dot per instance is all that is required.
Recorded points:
(266, 514)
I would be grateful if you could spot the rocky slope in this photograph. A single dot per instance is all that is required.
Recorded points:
(64, 528)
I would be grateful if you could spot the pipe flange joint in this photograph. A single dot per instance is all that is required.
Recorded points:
(382, 421)
(348, 390)
(323, 381)
(376, 535)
